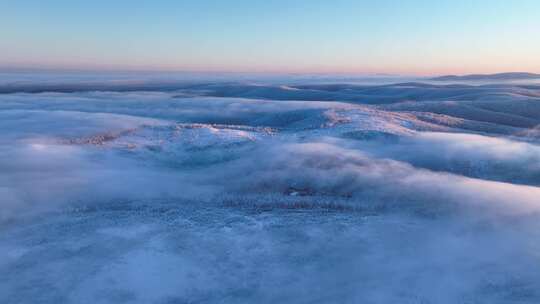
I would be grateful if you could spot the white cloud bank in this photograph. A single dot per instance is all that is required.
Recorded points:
(150, 198)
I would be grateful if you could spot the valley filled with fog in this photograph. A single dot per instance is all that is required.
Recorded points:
(269, 190)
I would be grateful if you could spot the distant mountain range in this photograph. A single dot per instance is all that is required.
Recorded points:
(499, 76)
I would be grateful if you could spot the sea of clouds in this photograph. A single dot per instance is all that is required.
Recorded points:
(208, 191)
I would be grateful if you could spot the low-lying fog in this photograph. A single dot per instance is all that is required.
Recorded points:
(263, 191)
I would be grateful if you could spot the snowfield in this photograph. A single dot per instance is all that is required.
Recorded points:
(269, 191)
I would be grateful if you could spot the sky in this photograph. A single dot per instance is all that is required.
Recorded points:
(423, 37)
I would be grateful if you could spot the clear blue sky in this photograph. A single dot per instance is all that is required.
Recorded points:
(351, 36)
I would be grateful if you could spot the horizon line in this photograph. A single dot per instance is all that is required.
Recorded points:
(23, 69)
